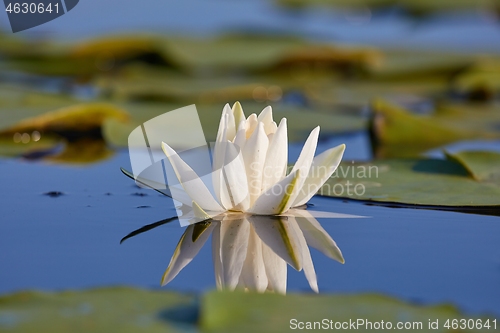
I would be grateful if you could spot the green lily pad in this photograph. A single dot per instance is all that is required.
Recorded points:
(148, 83)
(98, 310)
(14, 146)
(483, 166)
(398, 132)
(122, 309)
(249, 312)
(481, 82)
(427, 182)
(74, 118)
(185, 54)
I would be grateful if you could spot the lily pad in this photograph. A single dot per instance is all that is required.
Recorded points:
(99, 310)
(481, 82)
(14, 146)
(483, 166)
(398, 132)
(248, 312)
(426, 182)
(130, 310)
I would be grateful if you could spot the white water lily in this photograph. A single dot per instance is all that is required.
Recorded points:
(250, 211)
(249, 175)
(251, 252)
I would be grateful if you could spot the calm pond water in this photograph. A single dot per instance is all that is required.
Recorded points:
(72, 240)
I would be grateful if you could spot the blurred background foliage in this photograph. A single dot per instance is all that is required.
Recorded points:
(76, 101)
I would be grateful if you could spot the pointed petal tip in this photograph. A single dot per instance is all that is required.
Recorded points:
(167, 149)
(164, 281)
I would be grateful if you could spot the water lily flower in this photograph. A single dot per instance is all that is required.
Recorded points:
(249, 169)
(251, 252)
(250, 211)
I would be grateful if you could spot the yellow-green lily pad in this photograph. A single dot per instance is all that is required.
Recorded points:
(398, 132)
(122, 309)
(249, 312)
(98, 310)
(450, 183)
(483, 166)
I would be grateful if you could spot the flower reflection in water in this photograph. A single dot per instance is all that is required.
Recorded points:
(251, 252)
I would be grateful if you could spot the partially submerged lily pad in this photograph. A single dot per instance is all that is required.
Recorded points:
(483, 166)
(248, 312)
(98, 310)
(398, 132)
(130, 310)
(464, 180)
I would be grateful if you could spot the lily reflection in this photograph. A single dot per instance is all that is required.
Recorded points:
(251, 252)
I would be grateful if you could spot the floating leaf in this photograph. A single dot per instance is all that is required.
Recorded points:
(481, 82)
(398, 132)
(98, 310)
(13, 146)
(427, 182)
(482, 165)
(131, 310)
(75, 118)
(82, 151)
(249, 312)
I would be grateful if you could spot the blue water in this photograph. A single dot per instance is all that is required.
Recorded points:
(72, 241)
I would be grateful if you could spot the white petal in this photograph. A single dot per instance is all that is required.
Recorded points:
(254, 154)
(266, 117)
(241, 137)
(307, 263)
(271, 128)
(323, 166)
(304, 162)
(235, 181)
(184, 252)
(251, 124)
(276, 270)
(190, 181)
(254, 271)
(231, 126)
(276, 158)
(276, 199)
(216, 257)
(276, 233)
(318, 238)
(222, 131)
(239, 116)
(234, 241)
(219, 153)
